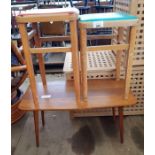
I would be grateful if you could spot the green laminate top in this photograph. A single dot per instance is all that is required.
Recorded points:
(112, 16)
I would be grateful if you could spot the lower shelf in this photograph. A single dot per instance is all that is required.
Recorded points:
(59, 95)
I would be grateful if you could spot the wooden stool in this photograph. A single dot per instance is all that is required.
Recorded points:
(108, 93)
(57, 95)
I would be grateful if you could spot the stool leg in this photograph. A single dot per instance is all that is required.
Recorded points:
(114, 115)
(120, 109)
(43, 118)
(36, 125)
(39, 55)
(42, 68)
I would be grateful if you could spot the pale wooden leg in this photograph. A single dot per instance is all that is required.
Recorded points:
(75, 59)
(43, 118)
(118, 64)
(40, 55)
(129, 61)
(83, 55)
(119, 53)
(36, 125)
(121, 128)
(42, 68)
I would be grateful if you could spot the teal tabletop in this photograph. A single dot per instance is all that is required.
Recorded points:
(112, 16)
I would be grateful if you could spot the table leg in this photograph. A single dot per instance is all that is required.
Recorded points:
(121, 128)
(36, 125)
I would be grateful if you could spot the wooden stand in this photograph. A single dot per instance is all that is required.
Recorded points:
(38, 95)
(66, 95)
(111, 93)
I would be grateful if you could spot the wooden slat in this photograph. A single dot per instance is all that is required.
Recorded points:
(67, 38)
(108, 47)
(18, 68)
(55, 38)
(16, 51)
(50, 50)
(94, 37)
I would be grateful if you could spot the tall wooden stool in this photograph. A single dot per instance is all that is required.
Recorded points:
(56, 95)
(108, 93)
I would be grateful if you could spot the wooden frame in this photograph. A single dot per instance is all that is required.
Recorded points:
(54, 15)
(118, 48)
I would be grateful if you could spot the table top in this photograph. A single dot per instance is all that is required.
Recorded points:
(101, 94)
(46, 15)
(112, 16)
(38, 12)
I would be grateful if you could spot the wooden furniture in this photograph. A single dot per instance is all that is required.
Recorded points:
(96, 72)
(112, 91)
(18, 76)
(64, 95)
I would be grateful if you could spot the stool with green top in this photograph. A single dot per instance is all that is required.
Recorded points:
(111, 93)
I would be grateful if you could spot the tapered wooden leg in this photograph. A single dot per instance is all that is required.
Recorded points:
(120, 109)
(43, 118)
(39, 55)
(83, 56)
(42, 68)
(36, 125)
(75, 59)
(114, 115)
(132, 41)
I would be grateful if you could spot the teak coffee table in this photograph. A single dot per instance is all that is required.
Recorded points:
(66, 95)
